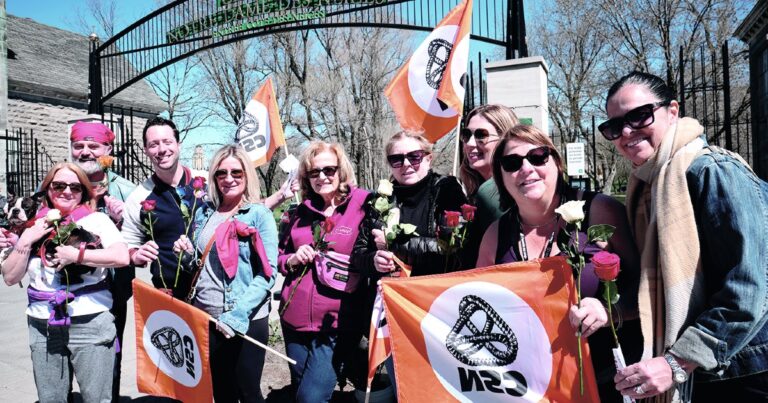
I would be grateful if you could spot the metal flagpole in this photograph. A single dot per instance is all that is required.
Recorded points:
(258, 343)
(456, 148)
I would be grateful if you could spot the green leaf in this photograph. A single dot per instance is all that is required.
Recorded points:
(613, 292)
(408, 229)
(391, 235)
(600, 232)
(184, 211)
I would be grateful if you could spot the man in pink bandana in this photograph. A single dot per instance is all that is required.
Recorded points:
(89, 141)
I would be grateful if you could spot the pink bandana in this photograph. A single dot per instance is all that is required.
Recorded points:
(228, 249)
(91, 131)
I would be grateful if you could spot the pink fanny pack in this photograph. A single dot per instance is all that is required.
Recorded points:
(333, 271)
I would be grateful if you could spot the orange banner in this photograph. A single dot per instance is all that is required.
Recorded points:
(496, 334)
(260, 131)
(428, 92)
(171, 346)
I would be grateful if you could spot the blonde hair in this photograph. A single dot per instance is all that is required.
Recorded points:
(345, 172)
(252, 189)
(408, 134)
(87, 195)
(502, 119)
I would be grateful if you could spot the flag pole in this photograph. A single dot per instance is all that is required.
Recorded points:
(260, 344)
(456, 149)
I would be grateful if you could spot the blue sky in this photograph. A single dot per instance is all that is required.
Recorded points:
(65, 14)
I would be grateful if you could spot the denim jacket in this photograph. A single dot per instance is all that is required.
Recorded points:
(730, 338)
(249, 289)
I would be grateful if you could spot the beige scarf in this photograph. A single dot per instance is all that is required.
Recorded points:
(662, 218)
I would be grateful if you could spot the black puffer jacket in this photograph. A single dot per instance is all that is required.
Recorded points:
(421, 204)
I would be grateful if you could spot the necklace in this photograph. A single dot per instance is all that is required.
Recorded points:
(519, 219)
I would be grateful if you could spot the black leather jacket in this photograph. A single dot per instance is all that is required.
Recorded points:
(422, 253)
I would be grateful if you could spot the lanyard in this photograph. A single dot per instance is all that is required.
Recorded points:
(524, 246)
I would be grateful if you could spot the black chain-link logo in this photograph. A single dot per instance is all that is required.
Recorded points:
(246, 132)
(439, 51)
(495, 337)
(168, 341)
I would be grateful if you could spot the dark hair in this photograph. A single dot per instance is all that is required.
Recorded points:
(159, 121)
(528, 134)
(502, 118)
(654, 84)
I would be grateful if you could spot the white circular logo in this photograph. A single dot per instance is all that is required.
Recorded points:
(253, 132)
(429, 63)
(485, 343)
(172, 347)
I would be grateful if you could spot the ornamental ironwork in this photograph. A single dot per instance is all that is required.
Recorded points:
(184, 27)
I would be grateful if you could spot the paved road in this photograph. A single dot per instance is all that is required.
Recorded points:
(16, 380)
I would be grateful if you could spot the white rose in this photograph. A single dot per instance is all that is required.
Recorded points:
(53, 215)
(572, 212)
(385, 187)
(393, 218)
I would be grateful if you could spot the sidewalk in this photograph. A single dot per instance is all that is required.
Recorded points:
(17, 381)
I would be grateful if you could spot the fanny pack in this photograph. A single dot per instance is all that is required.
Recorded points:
(333, 271)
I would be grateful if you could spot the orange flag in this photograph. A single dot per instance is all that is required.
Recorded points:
(428, 92)
(496, 334)
(379, 346)
(259, 130)
(171, 346)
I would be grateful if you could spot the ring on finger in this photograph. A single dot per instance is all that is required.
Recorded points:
(639, 389)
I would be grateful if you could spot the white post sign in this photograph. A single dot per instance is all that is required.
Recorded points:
(576, 159)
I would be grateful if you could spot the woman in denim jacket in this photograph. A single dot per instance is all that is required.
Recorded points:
(700, 219)
(236, 239)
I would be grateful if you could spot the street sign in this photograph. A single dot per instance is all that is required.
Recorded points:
(576, 159)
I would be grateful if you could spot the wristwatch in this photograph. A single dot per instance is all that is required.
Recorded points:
(678, 373)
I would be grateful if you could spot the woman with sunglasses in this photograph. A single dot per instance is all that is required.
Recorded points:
(698, 214)
(235, 240)
(482, 128)
(70, 326)
(528, 171)
(422, 196)
(322, 318)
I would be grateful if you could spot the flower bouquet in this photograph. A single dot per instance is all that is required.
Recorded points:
(451, 234)
(67, 234)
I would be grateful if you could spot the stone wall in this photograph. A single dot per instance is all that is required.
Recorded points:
(50, 124)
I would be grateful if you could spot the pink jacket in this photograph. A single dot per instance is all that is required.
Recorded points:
(314, 307)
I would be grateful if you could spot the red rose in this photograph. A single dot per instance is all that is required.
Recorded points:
(452, 219)
(148, 205)
(606, 265)
(328, 225)
(468, 211)
(198, 183)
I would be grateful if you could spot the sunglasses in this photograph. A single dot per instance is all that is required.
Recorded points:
(328, 171)
(637, 118)
(537, 157)
(222, 173)
(61, 186)
(414, 157)
(482, 136)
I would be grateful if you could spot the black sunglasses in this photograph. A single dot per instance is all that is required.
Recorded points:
(61, 186)
(637, 118)
(328, 171)
(222, 173)
(482, 136)
(414, 157)
(537, 157)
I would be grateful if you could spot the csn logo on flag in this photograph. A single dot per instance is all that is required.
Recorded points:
(492, 347)
(172, 347)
